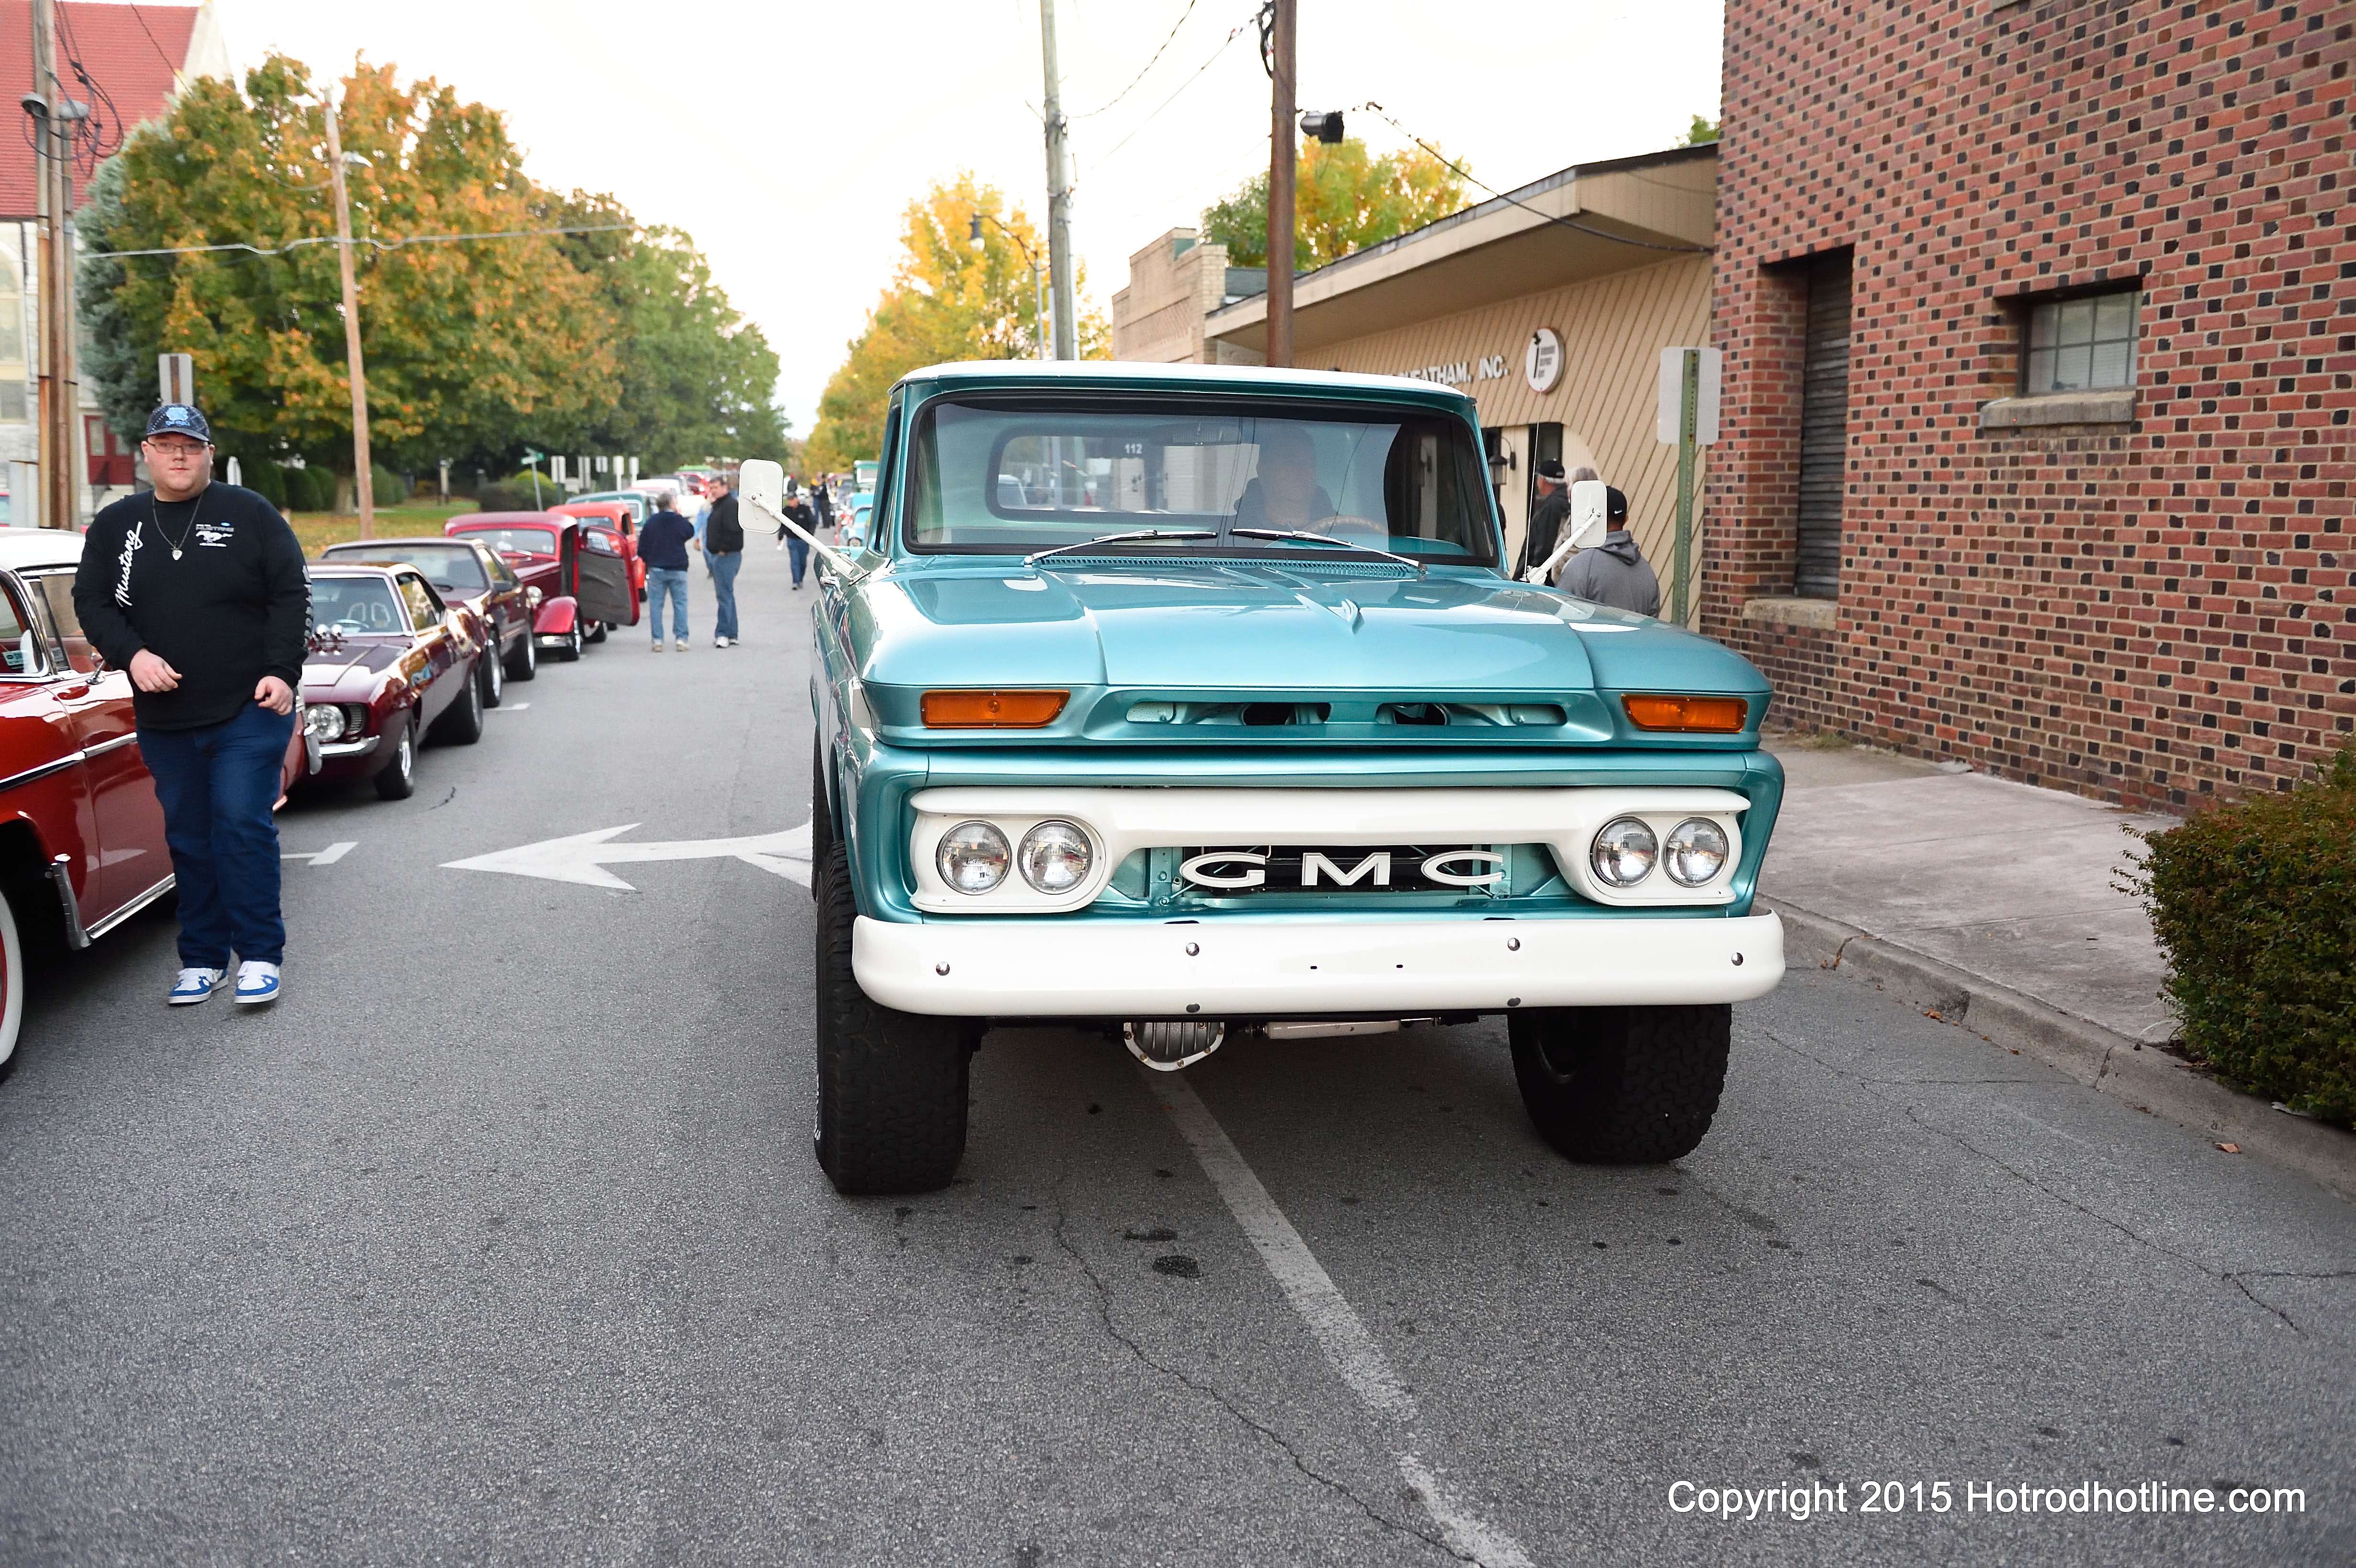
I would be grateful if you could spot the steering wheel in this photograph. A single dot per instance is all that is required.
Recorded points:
(1348, 525)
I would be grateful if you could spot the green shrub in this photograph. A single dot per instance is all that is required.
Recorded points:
(515, 495)
(266, 479)
(311, 489)
(2254, 905)
(391, 488)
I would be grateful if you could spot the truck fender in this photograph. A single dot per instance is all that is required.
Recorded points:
(555, 616)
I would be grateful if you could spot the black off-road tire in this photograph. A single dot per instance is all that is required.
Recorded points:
(821, 810)
(891, 1086)
(1622, 1085)
(524, 663)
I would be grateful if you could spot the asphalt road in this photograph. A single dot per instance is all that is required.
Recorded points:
(500, 1240)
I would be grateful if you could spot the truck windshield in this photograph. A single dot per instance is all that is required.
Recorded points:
(1011, 479)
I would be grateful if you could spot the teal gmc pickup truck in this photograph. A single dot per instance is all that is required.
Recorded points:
(1196, 705)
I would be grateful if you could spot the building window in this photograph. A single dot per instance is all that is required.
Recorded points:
(1824, 428)
(2078, 345)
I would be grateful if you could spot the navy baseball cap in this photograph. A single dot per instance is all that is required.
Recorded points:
(181, 419)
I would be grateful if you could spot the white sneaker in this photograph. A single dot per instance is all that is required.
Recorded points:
(256, 982)
(657, 644)
(196, 985)
(719, 642)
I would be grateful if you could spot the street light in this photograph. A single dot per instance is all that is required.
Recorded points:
(1038, 296)
(1326, 126)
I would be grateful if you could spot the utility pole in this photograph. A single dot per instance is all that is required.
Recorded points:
(53, 132)
(1059, 196)
(363, 479)
(1279, 182)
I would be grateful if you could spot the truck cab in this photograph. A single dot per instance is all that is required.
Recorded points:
(1197, 706)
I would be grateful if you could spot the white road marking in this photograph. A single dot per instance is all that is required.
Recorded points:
(509, 708)
(583, 857)
(326, 857)
(1336, 1324)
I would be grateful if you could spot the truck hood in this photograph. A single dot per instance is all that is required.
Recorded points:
(1229, 626)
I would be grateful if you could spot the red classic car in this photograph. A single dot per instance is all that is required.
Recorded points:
(583, 583)
(469, 572)
(81, 834)
(390, 664)
(616, 522)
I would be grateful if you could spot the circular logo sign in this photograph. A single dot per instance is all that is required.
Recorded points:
(1542, 360)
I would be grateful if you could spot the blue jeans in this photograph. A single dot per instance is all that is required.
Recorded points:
(799, 553)
(217, 785)
(724, 589)
(670, 579)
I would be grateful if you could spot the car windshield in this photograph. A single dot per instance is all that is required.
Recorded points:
(453, 569)
(518, 541)
(1015, 478)
(357, 605)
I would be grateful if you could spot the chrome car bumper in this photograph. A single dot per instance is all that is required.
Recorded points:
(335, 749)
(1244, 967)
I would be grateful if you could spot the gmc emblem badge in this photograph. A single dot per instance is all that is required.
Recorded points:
(1236, 870)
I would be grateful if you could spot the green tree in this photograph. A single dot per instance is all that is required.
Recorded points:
(1344, 200)
(473, 349)
(695, 380)
(949, 299)
(1701, 133)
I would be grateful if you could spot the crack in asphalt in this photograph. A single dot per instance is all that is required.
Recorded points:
(2228, 1276)
(1178, 1375)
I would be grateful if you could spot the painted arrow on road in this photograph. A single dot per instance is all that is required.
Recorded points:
(583, 857)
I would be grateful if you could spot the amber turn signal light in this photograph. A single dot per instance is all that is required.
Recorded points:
(1695, 715)
(992, 709)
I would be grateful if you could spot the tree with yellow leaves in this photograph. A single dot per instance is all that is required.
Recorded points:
(1344, 201)
(950, 299)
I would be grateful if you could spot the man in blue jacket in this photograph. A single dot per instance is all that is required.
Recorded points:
(663, 544)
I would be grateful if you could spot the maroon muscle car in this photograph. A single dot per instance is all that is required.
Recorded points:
(469, 572)
(583, 587)
(81, 834)
(391, 664)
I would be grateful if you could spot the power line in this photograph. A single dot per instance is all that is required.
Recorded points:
(1567, 223)
(1125, 91)
(1240, 29)
(379, 244)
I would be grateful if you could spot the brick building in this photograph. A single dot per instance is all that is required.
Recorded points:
(2040, 322)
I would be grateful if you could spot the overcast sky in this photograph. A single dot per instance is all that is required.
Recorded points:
(788, 137)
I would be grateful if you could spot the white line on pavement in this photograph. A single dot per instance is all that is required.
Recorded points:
(509, 708)
(1338, 1330)
(326, 857)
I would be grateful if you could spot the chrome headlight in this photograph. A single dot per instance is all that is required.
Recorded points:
(325, 721)
(1623, 853)
(972, 857)
(1055, 857)
(1696, 851)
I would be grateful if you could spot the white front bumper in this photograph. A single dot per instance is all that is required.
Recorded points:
(1244, 967)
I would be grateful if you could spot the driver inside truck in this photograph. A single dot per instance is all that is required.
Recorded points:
(1286, 494)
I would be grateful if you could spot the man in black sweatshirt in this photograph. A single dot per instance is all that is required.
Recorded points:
(723, 553)
(197, 590)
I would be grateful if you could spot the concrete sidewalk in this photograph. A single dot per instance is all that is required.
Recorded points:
(1996, 906)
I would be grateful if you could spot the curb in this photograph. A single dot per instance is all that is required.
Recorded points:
(2108, 1062)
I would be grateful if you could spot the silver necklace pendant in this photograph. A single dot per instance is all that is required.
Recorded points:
(175, 552)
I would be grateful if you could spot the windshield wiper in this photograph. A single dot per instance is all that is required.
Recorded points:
(1036, 557)
(1306, 538)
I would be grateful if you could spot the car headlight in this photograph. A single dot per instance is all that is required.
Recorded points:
(1055, 857)
(1623, 852)
(325, 721)
(1696, 851)
(972, 857)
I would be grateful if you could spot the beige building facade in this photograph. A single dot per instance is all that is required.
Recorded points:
(1550, 307)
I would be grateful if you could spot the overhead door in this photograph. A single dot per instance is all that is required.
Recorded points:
(1824, 429)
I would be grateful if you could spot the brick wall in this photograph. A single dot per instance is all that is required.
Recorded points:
(2151, 610)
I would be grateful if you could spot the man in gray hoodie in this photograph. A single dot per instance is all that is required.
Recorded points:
(1615, 571)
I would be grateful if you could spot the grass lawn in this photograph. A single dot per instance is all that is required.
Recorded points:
(317, 531)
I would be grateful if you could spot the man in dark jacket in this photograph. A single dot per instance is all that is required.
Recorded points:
(1615, 571)
(1546, 518)
(663, 544)
(197, 590)
(724, 552)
